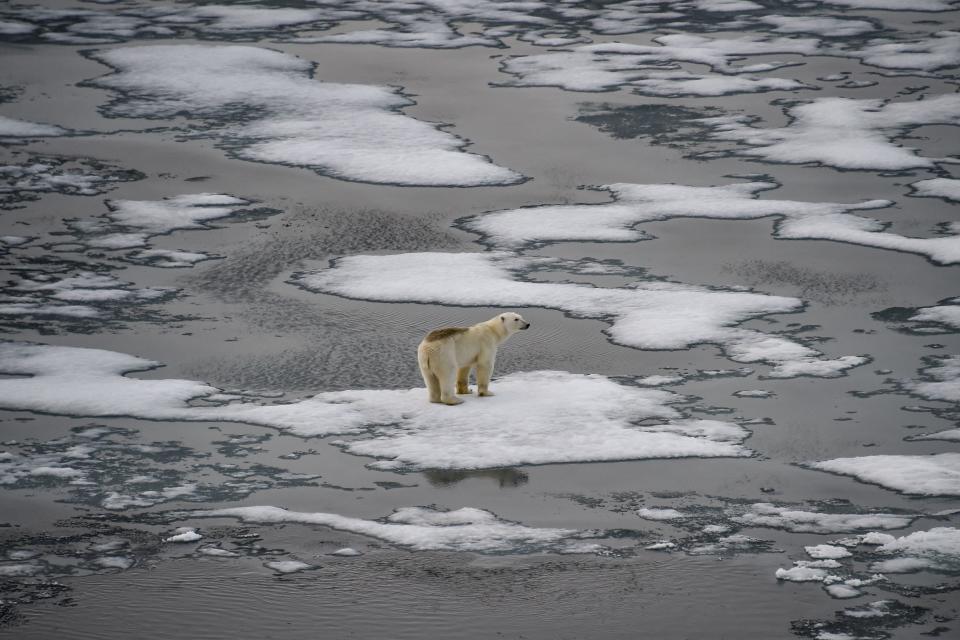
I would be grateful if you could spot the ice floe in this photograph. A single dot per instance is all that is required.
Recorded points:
(764, 514)
(946, 188)
(73, 176)
(940, 380)
(347, 131)
(937, 549)
(635, 204)
(423, 529)
(184, 534)
(646, 315)
(937, 474)
(288, 566)
(100, 294)
(13, 128)
(843, 133)
(653, 69)
(824, 26)
(941, 50)
(559, 409)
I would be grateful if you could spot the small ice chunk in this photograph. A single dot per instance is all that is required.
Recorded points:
(13, 128)
(346, 552)
(184, 534)
(827, 551)
(288, 566)
(660, 514)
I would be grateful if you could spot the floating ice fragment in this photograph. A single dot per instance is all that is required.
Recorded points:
(420, 528)
(660, 514)
(842, 133)
(13, 128)
(184, 534)
(827, 551)
(769, 515)
(347, 131)
(347, 552)
(288, 566)
(646, 315)
(937, 474)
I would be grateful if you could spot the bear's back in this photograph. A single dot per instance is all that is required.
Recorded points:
(442, 334)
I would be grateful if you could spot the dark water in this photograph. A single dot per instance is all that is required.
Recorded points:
(238, 323)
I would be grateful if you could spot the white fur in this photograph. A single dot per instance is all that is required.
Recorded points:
(446, 362)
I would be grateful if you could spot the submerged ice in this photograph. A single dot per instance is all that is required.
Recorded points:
(264, 105)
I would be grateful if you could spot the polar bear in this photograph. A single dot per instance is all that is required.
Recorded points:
(447, 355)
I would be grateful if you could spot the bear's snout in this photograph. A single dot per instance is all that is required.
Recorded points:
(526, 326)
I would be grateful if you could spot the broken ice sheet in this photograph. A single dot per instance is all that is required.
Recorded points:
(930, 475)
(842, 133)
(645, 315)
(427, 529)
(397, 425)
(346, 131)
(635, 204)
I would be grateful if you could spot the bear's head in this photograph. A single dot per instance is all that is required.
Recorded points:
(513, 322)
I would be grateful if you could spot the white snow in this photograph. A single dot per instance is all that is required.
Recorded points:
(660, 514)
(419, 528)
(188, 211)
(802, 574)
(754, 393)
(941, 50)
(941, 381)
(635, 204)
(827, 551)
(537, 418)
(769, 515)
(946, 188)
(653, 69)
(645, 315)
(184, 534)
(288, 566)
(825, 26)
(348, 131)
(842, 133)
(13, 128)
(937, 474)
(946, 314)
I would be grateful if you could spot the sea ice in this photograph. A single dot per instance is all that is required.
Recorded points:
(843, 133)
(420, 528)
(288, 566)
(567, 417)
(184, 534)
(769, 515)
(660, 514)
(347, 131)
(645, 315)
(635, 204)
(12, 128)
(937, 474)
(940, 381)
(946, 188)
(653, 68)
(827, 551)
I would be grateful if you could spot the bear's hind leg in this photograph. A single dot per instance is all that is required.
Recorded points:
(463, 376)
(483, 378)
(448, 386)
(433, 384)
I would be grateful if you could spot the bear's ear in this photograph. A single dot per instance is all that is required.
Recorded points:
(503, 318)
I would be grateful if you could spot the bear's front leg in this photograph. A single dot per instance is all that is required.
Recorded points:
(463, 376)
